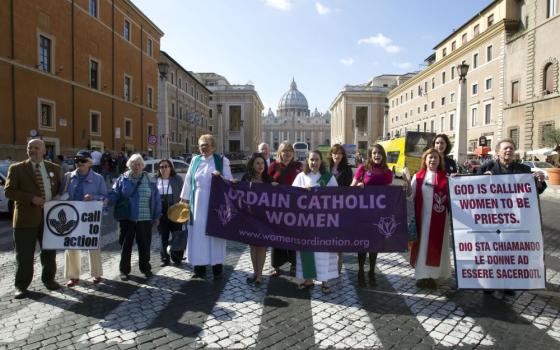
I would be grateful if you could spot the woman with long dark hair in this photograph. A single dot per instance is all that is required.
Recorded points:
(442, 144)
(283, 171)
(169, 185)
(257, 172)
(374, 172)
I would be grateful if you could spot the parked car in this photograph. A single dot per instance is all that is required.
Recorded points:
(539, 166)
(180, 166)
(6, 205)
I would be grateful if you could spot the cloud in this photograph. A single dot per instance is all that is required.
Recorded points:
(322, 9)
(382, 41)
(347, 61)
(403, 65)
(283, 5)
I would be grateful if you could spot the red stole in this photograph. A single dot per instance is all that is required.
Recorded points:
(437, 224)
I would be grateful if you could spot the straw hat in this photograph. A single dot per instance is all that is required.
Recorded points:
(178, 212)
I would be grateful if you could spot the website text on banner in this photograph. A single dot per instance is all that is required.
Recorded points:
(497, 232)
(327, 219)
(72, 225)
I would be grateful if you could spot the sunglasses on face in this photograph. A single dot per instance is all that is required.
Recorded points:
(80, 160)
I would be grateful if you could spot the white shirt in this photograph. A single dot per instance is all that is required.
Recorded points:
(96, 157)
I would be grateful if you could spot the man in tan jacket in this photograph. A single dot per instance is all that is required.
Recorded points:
(30, 184)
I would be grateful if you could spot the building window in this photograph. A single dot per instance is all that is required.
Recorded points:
(452, 73)
(464, 39)
(487, 113)
(489, 53)
(418, 109)
(433, 83)
(46, 115)
(93, 8)
(151, 129)
(443, 101)
(150, 47)
(514, 135)
(95, 123)
(172, 78)
(444, 51)
(180, 83)
(451, 121)
(425, 125)
(45, 54)
(451, 97)
(453, 46)
(172, 109)
(474, 89)
(418, 127)
(475, 60)
(545, 128)
(126, 30)
(94, 74)
(474, 112)
(488, 84)
(550, 8)
(150, 97)
(514, 91)
(432, 104)
(490, 20)
(180, 112)
(425, 87)
(548, 79)
(425, 107)
(235, 118)
(432, 126)
(472, 145)
(126, 89)
(476, 30)
(443, 77)
(442, 124)
(127, 128)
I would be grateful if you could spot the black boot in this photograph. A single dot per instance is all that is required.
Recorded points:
(361, 273)
(372, 262)
(199, 271)
(217, 270)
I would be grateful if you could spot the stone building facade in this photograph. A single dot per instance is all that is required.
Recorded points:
(531, 86)
(358, 112)
(293, 122)
(428, 100)
(235, 115)
(78, 74)
(184, 112)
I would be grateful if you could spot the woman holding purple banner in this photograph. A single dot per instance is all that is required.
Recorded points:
(283, 171)
(374, 172)
(341, 170)
(257, 172)
(428, 190)
(320, 266)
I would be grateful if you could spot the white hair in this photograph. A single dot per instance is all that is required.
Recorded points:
(135, 158)
(261, 145)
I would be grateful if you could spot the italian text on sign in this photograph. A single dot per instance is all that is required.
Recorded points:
(326, 219)
(497, 232)
(72, 225)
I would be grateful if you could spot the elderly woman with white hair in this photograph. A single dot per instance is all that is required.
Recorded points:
(203, 250)
(137, 208)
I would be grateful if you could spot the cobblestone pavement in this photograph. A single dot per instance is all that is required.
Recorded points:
(171, 310)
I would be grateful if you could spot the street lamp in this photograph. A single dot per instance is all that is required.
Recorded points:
(163, 68)
(460, 147)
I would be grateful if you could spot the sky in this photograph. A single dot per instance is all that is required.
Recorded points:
(323, 45)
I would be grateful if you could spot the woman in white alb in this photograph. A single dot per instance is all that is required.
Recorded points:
(428, 190)
(203, 250)
(325, 263)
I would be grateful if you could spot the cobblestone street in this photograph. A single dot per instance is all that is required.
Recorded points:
(171, 310)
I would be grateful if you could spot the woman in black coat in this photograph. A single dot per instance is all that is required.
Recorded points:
(442, 144)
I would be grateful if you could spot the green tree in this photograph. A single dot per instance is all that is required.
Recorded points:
(552, 138)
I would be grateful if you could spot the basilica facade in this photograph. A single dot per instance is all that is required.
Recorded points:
(293, 122)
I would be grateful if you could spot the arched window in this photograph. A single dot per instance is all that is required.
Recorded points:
(548, 79)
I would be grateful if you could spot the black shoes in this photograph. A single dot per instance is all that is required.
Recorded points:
(52, 285)
(164, 263)
(361, 278)
(148, 274)
(21, 294)
(124, 276)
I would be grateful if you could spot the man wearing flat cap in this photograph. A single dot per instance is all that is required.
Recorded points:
(30, 184)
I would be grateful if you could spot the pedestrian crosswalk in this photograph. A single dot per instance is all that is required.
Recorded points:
(244, 316)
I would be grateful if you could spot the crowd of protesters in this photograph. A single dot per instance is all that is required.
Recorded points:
(141, 204)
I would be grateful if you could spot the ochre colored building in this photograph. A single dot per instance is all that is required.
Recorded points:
(79, 74)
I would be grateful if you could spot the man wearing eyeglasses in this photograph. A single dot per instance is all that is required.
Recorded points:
(30, 184)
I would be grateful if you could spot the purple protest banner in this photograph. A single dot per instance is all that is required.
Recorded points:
(327, 219)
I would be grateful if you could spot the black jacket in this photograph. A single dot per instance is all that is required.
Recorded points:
(496, 168)
(344, 177)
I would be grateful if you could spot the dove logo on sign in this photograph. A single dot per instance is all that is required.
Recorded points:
(62, 219)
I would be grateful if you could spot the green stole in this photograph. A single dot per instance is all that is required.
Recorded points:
(307, 258)
(218, 163)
